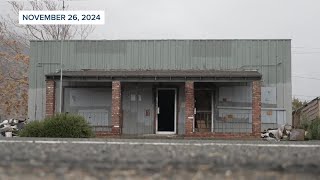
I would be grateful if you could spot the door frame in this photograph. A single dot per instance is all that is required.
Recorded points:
(212, 109)
(175, 112)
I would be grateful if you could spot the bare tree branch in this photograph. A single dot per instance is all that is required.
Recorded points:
(14, 49)
(46, 32)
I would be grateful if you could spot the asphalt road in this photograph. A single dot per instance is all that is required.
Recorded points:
(157, 159)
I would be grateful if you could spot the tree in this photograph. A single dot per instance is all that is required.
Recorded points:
(13, 78)
(297, 103)
(14, 51)
(44, 32)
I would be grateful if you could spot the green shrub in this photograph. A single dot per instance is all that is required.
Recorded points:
(59, 125)
(32, 129)
(314, 129)
(304, 125)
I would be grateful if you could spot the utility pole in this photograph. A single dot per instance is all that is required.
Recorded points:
(61, 64)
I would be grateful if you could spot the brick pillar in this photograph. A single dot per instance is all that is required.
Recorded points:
(116, 106)
(50, 97)
(256, 108)
(189, 91)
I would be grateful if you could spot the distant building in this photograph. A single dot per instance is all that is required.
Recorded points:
(202, 88)
(309, 112)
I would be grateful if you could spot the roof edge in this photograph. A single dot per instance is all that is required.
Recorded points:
(77, 40)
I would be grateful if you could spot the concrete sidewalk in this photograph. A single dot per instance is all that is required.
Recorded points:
(36, 158)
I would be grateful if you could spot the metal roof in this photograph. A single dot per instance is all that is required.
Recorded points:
(190, 39)
(157, 75)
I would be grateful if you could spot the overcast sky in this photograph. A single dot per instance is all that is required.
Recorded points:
(298, 20)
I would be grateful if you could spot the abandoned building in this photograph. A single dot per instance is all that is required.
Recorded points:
(308, 112)
(200, 88)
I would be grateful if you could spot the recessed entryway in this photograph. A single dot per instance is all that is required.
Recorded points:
(166, 111)
(203, 110)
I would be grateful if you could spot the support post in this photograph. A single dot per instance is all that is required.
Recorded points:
(189, 108)
(50, 97)
(116, 107)
(256, 108)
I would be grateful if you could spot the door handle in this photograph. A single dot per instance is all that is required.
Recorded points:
(158, 110)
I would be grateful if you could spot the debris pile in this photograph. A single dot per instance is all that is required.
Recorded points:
(10, 127)
(284, 132)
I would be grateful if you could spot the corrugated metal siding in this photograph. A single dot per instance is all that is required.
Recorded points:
(311, 110)
(272, 58)
(166, 54)
(308, 112)
(136, 100)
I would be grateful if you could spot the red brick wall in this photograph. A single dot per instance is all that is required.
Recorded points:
(213, 135)
(256, 108)
(50, 97)
(116, 106)
(106, 134)
(256, 116)
(189, 115)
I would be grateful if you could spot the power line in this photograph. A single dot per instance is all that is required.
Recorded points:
(303, 95)
(309, 74)
(297, 50)
(304, 77)
(301, 47)
(305, 52)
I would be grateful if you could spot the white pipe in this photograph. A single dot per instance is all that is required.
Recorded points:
(60, 93)
(61, 50)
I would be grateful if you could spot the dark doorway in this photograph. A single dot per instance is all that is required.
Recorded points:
(203, 105)
(166, 110)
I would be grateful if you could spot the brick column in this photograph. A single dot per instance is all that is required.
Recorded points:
(189, 92)
(116, 106)
(50, 97)
(256, 108)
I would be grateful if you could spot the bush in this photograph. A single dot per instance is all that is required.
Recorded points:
(314, 129)
(59, 125)
(304, 125)
(32, 129)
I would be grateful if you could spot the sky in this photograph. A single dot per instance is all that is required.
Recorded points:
(218, 19)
